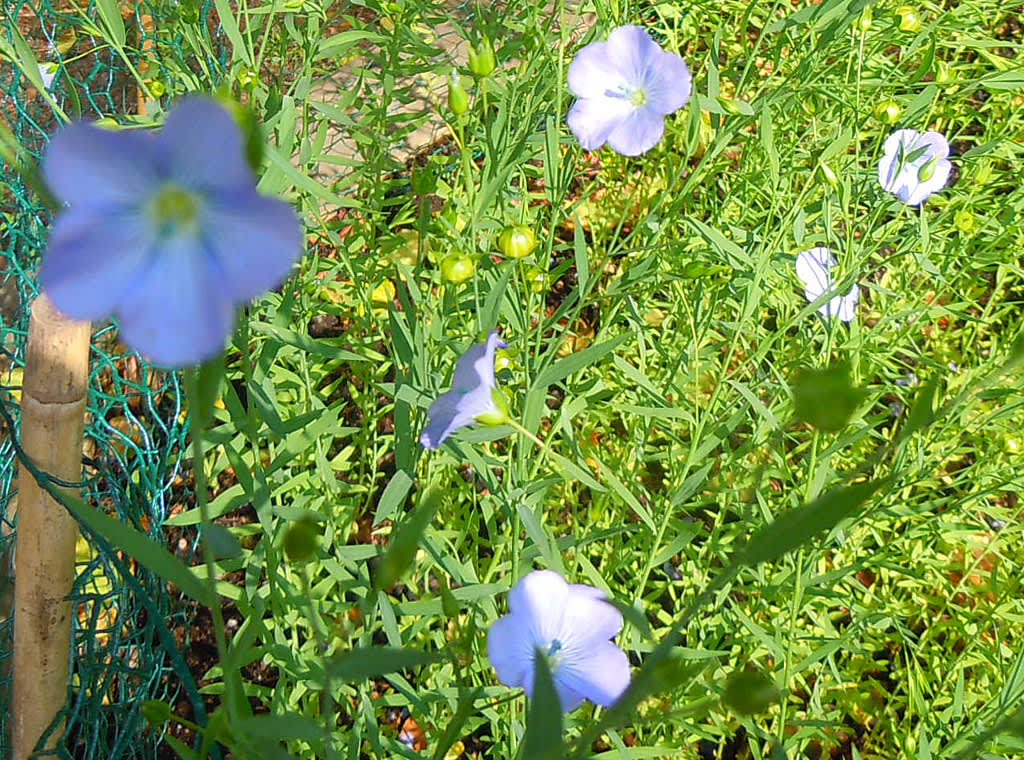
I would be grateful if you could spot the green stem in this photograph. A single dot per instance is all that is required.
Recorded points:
(234, 692)
(320, 636)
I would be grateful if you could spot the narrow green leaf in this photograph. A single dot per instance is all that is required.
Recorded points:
(562, 368)
(110, 14)
(203, 388)
(798, 526)
(581, 255)
(394, 496)
(222, 541)
(454, 728)
(543, 739)
(921, 414)
(229, 24)
(403, 545)
(1004, 80)
(278, 727)
(370, 662)
(149, 554)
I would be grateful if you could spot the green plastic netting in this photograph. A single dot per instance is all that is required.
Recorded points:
(130, 631)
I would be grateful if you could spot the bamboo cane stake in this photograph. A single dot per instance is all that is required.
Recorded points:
(52, 419)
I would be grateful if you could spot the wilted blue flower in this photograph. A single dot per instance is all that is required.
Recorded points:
(474, 396)
(573, 626)
(626, 86)
(814, 267)
(167, 232)
(914, 165)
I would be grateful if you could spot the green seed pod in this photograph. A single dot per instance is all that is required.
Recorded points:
(458, 98)
(517, 242)
(910, 21)
(888, 111)
(301, 540)
(537, 280)
(457, 267)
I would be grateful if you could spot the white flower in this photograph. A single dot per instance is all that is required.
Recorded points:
(813, 267)
(625, 86)
(914, 165)
(572, 625)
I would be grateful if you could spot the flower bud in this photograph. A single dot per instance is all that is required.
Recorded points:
(942, 73)
(927, 171)
(964, 220)
(517, 242)
(246, 78)
(457, 267)
(458, 98)
(481, 58)
(865, 20)
(910, 21)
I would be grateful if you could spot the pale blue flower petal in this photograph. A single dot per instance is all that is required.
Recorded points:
(592, 73)
(204, 147)
(255, 240)
(93, 259)
(633, 53)
(568, 698)
(917, 192)
(587, 612)
(600, 672)
(845, 307)
(637, 133)
(541, 597)
(177, 312)
(85, 166)
(510, 650)
(471, 396)
(447, 414)
(812, 267)
(670, 84)
(592, 120)
(475, 368)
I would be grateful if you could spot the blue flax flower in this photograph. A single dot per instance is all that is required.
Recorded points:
(167, 231)
(625, 88)
(814, 268)
(572, 625)
(914, 165)
(474, 396)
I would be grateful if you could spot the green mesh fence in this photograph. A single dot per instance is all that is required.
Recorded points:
(129, 632)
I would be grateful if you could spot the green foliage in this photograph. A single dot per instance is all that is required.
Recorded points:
(869, 561)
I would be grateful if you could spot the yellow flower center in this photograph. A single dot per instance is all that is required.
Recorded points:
(173, 210)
